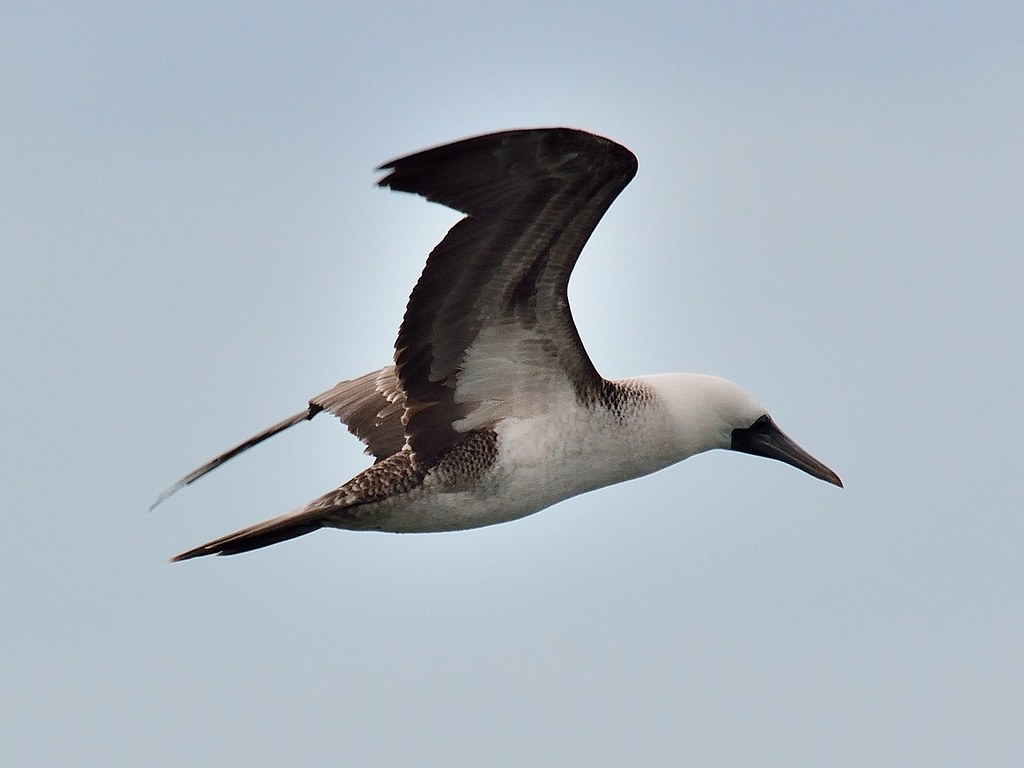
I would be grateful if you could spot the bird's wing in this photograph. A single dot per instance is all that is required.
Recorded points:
(370, 406)
(487, 332)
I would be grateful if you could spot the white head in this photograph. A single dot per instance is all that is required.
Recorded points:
(707, 412)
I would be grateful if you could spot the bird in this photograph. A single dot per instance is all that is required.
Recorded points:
(492, 409)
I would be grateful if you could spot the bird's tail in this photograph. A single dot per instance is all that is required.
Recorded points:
(260, 535)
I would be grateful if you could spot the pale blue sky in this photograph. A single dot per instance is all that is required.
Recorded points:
(828, 211)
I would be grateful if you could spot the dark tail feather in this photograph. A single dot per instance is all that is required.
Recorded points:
(256, 439)
(260, 535)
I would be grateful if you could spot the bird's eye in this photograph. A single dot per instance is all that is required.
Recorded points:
(762, 422)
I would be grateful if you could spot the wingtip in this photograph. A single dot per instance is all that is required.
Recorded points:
(166, 494)
(388, 169)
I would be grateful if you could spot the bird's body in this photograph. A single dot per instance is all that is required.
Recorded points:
(493, 410)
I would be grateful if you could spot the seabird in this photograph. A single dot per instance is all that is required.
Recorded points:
(492, 409)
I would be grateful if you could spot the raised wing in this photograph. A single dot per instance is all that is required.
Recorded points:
(488, 332)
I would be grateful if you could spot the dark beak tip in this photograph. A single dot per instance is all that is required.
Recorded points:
(830, 477)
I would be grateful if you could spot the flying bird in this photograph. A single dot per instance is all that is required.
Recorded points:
(492, 409)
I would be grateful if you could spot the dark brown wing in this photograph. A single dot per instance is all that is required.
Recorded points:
(489, 318)
(371, 407)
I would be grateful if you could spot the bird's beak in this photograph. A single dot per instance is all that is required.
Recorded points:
(764, 438)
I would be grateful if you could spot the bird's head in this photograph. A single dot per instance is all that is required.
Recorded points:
(707, 412)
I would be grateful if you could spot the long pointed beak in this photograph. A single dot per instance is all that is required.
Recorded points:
(764, 438)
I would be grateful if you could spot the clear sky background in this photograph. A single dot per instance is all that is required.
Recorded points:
(828, 211)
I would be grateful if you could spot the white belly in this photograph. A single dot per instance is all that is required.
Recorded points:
(540, 462)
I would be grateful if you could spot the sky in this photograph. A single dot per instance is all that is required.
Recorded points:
(827, 211)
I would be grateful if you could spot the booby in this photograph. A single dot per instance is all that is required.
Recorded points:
(492, 409)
